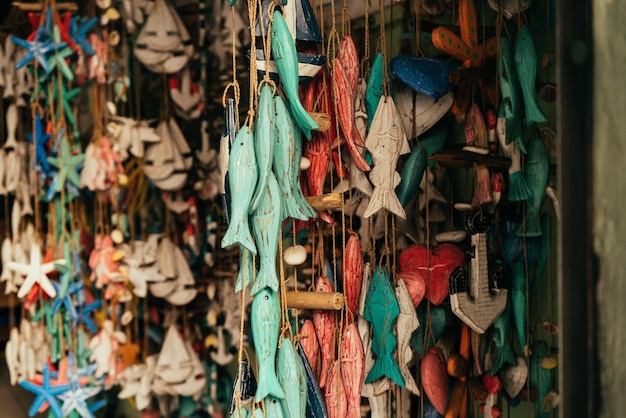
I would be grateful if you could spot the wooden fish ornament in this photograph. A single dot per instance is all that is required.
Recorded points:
(539, 377)
(273, 408)
(486, 302)
(286, 165)
(352, 368)
(526, 65)
(427, 76)
(308, 341)
(502, 342)
(518, 189)
(435, 378)
(264, 140)
(266, 226)
(315, 405)
(386, 141)
(511, 107)
(244, 384)
(411, 175)
(374, 89)
(381, 311)
(242, 180)
(536, 176)
(335, 394)
(324, 322)
(292, 377)
(265, 320)
(353, 267)
(518, 298)
(347, 54)
(285, 56)
(406, 324)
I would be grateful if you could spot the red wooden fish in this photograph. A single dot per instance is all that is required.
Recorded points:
(324, 322)
(353, 267)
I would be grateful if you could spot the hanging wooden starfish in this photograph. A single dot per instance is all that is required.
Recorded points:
(75, 398)
(65, 270)
(37, 50)
(66, 97)
(40, 138)
(45, 394)
(86, 311)
(66, 300)
(64, 25)
(35, 272)
(466, 49)
(78, 32)
(67, 163)
(58, 59)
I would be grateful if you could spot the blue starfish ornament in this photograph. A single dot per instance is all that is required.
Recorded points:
(45, 393)
(65, 270)
(66, 300)
(75, 399)
(84, 314)
(78, 32)
(37, 50)
(40, 139)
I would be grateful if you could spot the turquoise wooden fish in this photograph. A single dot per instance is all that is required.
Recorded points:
(374, 89)
(536, 176)
(241, 412)
(266, 227)
(503, 350)
(286, 161)
(264, 138)
(286, 59)
(265, 321)
(382, 310)
(539, 377)
(242, 179)
(411, 175)
(273, 408)
(435, 138)
(246, 270)
(292, 377)
(518, 297)
(526, 65)
(511, 109)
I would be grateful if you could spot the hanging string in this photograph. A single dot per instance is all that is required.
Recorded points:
(365, 63)
(383, 46)
(252, 17)
(417, 4)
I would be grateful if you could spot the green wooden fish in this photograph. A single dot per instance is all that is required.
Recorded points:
(292, 377)
(536, 175)
(411, 175)
(264, 139)
(434, 139)
(526, 65)
(518, 297)
(266, 227)
(286, 59)
(242, 180)
(503, 350)
(511, 108)
(381, 310)
(287, 165)
(374, 89)
(273, 408)
(246, 270)
(265, 321)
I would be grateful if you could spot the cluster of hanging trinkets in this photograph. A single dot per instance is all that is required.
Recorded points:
(343, 280)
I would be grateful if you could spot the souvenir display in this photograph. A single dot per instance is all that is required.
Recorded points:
(255, 209)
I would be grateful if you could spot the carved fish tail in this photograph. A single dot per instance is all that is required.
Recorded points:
(292, 208)
(518, 189)
(246, 271)
(268, 384)
(301, 116)
(266, 278)
(302, 202)
(387, 199)
(239, 233)
(502, 355)
(533, 113)
(386, 365)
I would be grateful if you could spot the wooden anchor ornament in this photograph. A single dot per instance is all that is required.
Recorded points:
(479, 300)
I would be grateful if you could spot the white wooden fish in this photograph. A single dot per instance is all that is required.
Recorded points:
(386, 141)
(407, 322)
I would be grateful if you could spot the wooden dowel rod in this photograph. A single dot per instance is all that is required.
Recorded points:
(325, 202)
(315, 300)
(38, 7)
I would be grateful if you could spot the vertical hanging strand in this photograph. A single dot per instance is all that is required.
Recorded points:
(417, 9)
(383, 47)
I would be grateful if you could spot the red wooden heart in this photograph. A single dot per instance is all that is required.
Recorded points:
(493, 384)
(415, 284)
(435, 378)
(444, 259)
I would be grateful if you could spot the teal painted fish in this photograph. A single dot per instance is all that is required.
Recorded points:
(511, 108)
(374, 89)
(265, 321)
(503, 350)
(264, 139)
(246, 270)
(266, 227)
(539, 377)
(286, 161)
(382, 310)
(518, 190)
(526, 65)
(411, 175)
(241, 412)
(286, 59)
(536, 176)
(434, 139)
(242, 179)
(292, 377)
(518, 297)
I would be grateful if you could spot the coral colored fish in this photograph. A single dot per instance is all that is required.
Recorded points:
(352, 368)
(324, 322)
(353, 273)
